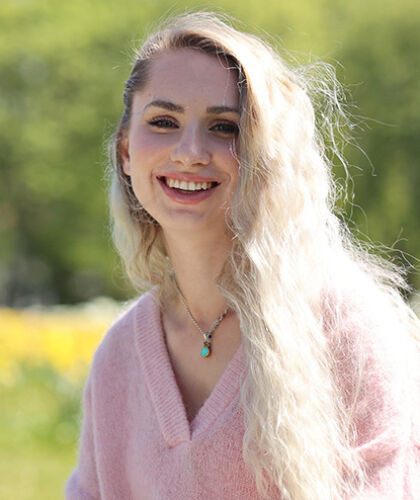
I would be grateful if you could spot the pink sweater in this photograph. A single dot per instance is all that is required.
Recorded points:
(136, 442)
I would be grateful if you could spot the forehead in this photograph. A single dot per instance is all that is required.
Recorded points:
(189, 77)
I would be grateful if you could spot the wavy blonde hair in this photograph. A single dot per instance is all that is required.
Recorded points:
(291, 267)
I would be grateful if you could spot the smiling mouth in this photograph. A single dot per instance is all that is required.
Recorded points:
(187, 187)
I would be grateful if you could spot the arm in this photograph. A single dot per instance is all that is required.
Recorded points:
(387, 418)
(393, 476)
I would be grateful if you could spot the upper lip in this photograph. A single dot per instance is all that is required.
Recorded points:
(187, 177)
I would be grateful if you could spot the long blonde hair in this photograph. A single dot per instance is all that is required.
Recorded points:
(291, 269)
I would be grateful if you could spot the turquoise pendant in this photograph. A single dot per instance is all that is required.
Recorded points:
(205, 351)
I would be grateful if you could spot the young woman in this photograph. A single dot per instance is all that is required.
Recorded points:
(271, 356)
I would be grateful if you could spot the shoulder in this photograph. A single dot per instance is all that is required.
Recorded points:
(117, 351)
(366, 321)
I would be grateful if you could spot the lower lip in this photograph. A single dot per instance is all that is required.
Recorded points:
(184, 198)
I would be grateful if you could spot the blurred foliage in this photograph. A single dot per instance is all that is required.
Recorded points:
(62, 68)
(39, 428)
(44, 358)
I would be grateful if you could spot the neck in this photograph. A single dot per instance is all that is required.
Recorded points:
(197, 264)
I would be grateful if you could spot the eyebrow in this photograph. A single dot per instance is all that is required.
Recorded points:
(217, 110)
(170, 106)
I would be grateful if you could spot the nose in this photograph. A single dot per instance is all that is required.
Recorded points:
(191, 149)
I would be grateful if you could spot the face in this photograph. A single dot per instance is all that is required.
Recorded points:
(180, 146)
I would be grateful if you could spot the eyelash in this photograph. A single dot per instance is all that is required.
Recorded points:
(226, 128)
(162, 123)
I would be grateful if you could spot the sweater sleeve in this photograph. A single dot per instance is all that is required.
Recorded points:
(387, 422)
(393, 476)
(83, 483)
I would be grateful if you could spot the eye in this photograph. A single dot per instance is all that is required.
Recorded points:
(226, 128)
(163, 123)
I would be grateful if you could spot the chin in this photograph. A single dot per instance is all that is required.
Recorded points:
(184, 224)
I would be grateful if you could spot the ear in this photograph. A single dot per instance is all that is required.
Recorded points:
(125, 156)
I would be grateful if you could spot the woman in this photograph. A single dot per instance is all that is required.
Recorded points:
(271, 357)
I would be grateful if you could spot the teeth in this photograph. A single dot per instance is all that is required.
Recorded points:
(188, 186)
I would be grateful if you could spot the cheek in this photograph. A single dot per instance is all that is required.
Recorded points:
(146, 156)
(146, 147)
(226, 152)
(148, 153)
(230, 160)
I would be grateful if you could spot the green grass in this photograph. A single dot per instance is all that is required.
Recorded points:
(39, 428)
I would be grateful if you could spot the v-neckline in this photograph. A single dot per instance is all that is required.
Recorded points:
(162, 385)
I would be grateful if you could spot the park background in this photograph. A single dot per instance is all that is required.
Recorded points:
(62, 68)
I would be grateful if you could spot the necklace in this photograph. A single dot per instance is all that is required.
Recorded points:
(206, 349)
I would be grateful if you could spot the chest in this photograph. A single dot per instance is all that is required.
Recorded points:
(196, 376)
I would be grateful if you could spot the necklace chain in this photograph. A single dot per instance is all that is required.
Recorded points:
(206, 350)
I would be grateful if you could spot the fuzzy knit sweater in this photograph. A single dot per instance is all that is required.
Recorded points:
(137, 444)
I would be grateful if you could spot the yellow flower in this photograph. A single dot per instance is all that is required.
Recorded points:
(64, 337)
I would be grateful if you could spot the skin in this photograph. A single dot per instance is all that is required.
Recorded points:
(195, 137)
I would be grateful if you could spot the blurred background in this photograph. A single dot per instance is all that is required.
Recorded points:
(62, 68)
